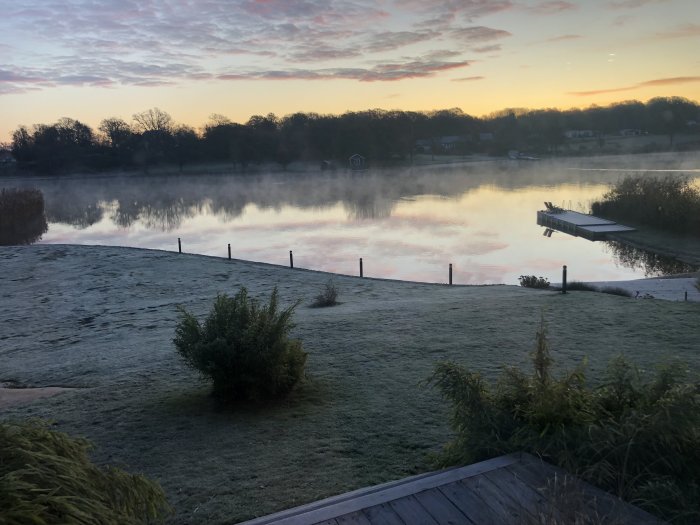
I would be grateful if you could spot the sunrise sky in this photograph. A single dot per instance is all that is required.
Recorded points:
(93, 59)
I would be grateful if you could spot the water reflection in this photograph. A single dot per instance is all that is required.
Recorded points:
(651, 264)
(22, 218)
(406, 224)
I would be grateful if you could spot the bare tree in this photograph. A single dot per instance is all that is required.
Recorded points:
(115, 131)
(153, 120)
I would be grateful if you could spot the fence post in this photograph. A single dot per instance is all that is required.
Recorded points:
(229, 251)
(179, 245)
(450, 274)
(563, 280)
(686, 295)
(361, 271)
(291, 259)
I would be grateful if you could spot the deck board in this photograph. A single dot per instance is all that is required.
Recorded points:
(511, 489)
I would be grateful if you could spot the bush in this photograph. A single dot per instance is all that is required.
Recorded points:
(580, 286)
(616, 290)
(22, 219)
(530, 281)
(243, 347)
(47, 477)
(328, 297)
(671, 203)
(637, 438)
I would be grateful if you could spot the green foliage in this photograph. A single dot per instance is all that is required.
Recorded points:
(531, 281)
(46, 477)
(580, 286)
(243, 347)
(22, 219)
(616, 290)
(635, 436)
(671, 203)
(328, 297)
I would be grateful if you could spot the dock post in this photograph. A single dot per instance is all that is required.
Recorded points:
(229, 251)
(450, 274)
(179, 245)
(563, 280)
(686, 295)
(291, 259)
(361, 272)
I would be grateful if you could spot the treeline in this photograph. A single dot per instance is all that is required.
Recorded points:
(153, 138)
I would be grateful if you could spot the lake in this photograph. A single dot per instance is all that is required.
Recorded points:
(405, 223)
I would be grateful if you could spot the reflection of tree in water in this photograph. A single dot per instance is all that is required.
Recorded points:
(652, 264)
(22, 218)
(77, 209)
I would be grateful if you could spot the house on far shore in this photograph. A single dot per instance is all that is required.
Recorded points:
(6, 157)
(631, 132)
(579, 134)
(357, 162)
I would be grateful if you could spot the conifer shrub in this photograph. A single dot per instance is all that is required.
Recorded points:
(327, 297)
(635, 436)
(47, 477)
(244, 347)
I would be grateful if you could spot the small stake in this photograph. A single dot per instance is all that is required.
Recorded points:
(563, 280)
(361, 274)
(291, 259)
(229, 251)
(686, 295)
(450, 274)
(179, 245)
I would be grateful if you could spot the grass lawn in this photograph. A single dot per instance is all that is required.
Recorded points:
(103, 319)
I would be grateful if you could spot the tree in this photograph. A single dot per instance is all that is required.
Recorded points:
(153, 120)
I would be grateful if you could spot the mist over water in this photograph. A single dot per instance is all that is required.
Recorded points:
(405, 224)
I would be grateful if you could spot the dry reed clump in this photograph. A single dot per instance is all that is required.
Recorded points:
(327, 297)
(46, 477)
(532, 281)
(22, 219)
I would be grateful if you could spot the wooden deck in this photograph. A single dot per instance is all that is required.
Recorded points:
(512, 489)
(580, 224)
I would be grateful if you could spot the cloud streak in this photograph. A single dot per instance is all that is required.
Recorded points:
(160, 42)
(673, 81)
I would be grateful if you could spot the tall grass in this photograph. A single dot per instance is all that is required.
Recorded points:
(671, 203)
(635, 436)
(46, 477)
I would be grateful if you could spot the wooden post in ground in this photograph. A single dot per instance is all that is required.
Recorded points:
(179, 245)
(686, 295)
(291, 259)
(361, 272)
(563, 280)
(450, 274)
(229, 251)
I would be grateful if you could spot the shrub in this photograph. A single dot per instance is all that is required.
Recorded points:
(531, 281)
(616, 290)
(243, 347)
(22, 219)
(580, 286)
(671, 203)
(637, 438)
(47, 477)
(328, 297)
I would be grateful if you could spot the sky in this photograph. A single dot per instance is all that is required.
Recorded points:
(95, 59)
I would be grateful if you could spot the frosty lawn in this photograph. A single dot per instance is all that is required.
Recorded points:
(103, 318)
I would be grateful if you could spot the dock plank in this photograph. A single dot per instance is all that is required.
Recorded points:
(383, 513)
(354, 518)
(411, 511)
(441, 508)
(504, 507)
(470, 504)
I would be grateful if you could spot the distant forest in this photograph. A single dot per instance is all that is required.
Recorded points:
(382, 137)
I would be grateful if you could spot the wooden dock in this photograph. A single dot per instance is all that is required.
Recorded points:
(580, 224)
(512, 489)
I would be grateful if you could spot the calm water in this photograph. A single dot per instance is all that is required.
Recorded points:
(405, 224)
